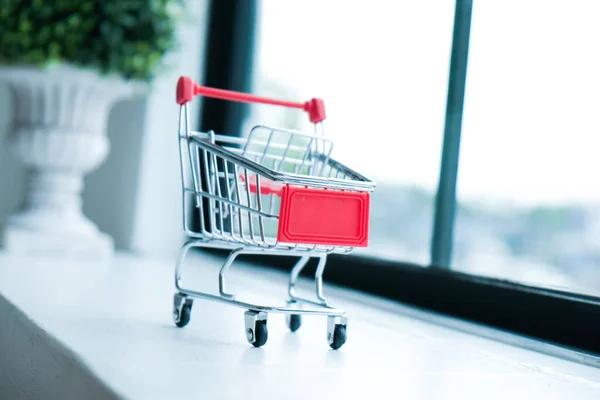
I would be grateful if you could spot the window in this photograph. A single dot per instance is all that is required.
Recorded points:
(392, 76)
(529, 201)
(382, 69)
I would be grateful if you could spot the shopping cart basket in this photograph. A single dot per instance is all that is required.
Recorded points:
(276, 192)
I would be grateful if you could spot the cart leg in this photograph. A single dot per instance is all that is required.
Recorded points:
(294, 275)
(294, 321)
(232, 256)
(182, 254)
(255, 323)
(319, 279)
(182, 304)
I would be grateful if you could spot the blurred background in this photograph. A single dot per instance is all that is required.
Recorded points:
(528, 205)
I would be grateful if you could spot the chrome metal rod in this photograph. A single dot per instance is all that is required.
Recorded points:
(328, 311)
(232, 256)
(316, 181)
(298, 267)
(230, 299)
(319, 279)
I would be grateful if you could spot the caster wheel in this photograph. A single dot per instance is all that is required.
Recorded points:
(184, 316)
(259, 334)
(339, 337)
(294, 322)
(182, 310)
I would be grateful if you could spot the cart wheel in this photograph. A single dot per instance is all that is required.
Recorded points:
(259, 334)
(184, 317)
(182, 310)
(294, 321)
(339, 337)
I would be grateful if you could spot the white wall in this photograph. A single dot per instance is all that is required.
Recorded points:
(157, 229)
(110, 191)
(12, 174)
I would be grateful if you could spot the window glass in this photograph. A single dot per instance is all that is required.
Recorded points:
(381, 68)
(530, 203)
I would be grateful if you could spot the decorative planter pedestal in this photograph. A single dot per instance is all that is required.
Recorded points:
(58, 132)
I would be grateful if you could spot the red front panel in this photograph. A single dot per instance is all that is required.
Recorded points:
(327, 217)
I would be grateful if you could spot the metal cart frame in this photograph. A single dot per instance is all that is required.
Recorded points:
(227, 183)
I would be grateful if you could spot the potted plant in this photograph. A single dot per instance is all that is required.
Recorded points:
(66, 64)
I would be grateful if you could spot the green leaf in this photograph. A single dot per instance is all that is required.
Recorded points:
(60, 29)
(74, 20)
(54, 50)
(127, 37)
(25, 26)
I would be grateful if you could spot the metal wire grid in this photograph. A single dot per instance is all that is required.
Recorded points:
(230, 187)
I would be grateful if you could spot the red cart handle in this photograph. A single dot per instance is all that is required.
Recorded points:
(187, 89)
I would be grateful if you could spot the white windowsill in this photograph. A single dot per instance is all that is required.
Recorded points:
(105, 331)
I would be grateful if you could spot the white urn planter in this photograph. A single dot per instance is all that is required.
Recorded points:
(58, 132)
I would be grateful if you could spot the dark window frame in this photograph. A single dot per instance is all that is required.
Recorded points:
(568, 320)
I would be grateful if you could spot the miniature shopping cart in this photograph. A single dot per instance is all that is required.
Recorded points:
(276, 192)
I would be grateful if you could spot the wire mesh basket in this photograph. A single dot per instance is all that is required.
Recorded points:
(278, 192)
